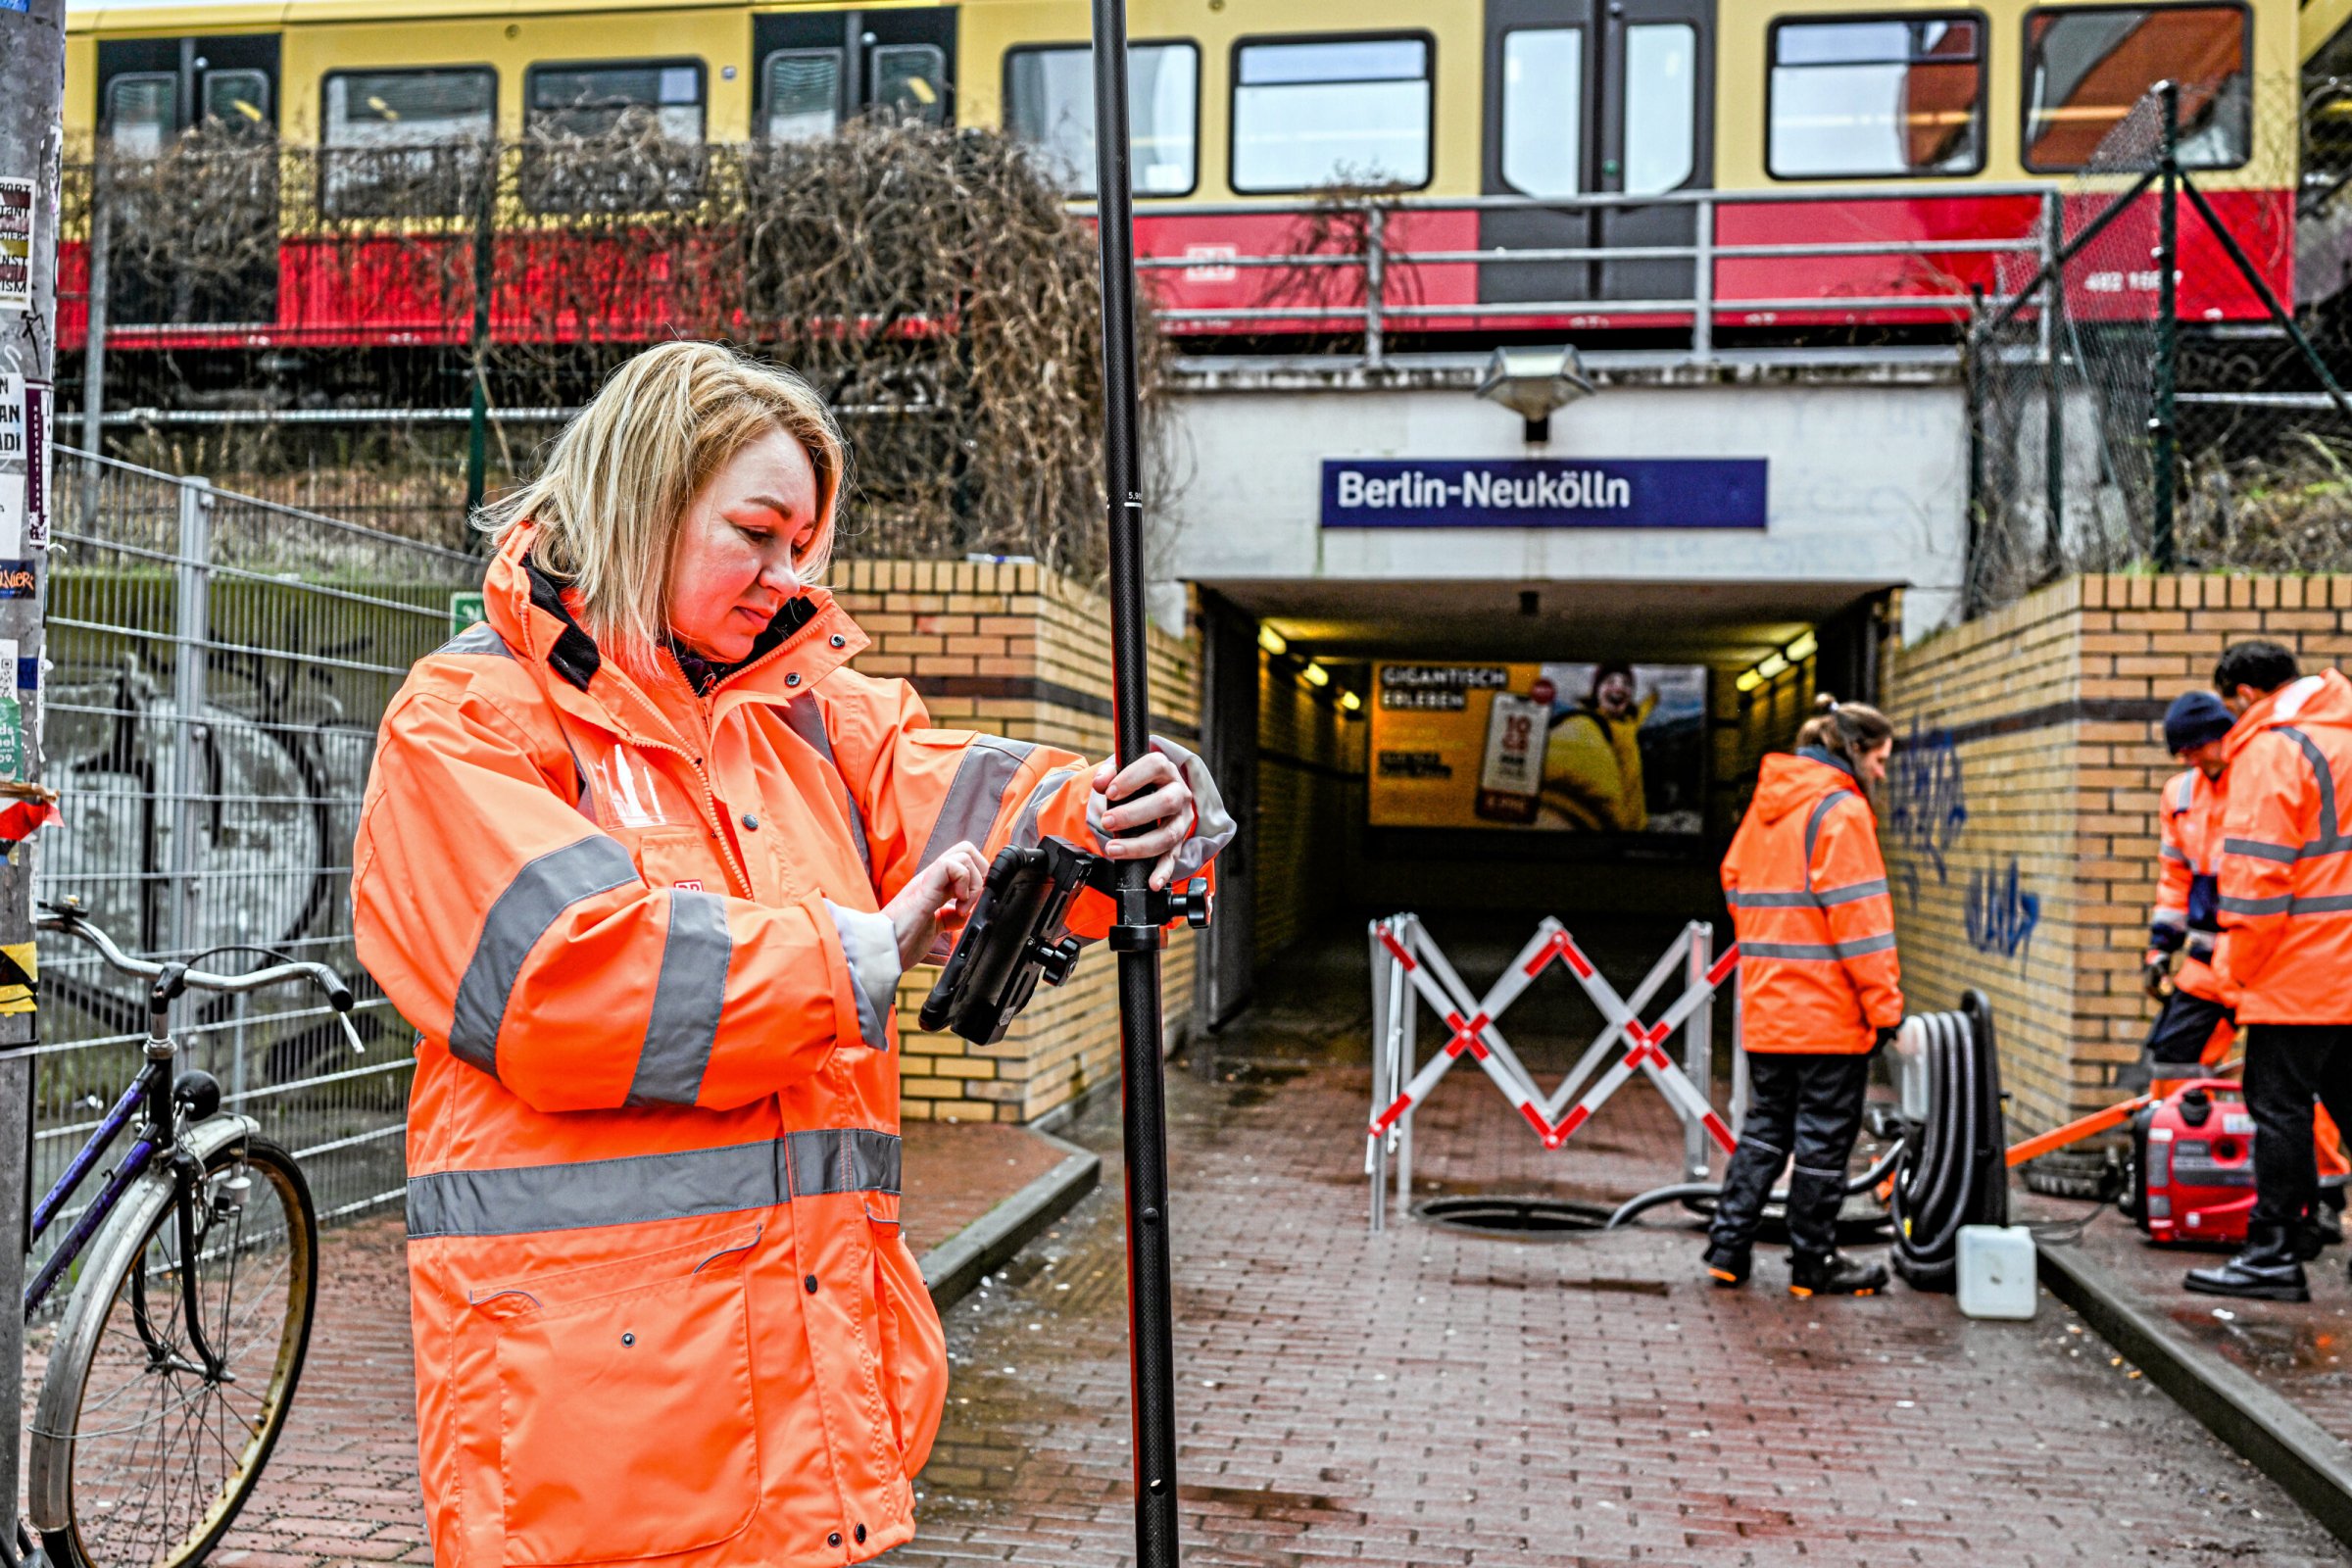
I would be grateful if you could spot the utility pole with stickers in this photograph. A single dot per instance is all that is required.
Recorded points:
(32, 70)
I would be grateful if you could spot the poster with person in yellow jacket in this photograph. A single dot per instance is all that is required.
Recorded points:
(1609, 747)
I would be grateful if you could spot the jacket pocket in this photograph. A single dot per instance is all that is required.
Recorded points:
(625, 1418)
(914, 1351)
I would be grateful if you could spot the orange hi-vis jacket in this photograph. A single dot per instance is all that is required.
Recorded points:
(2285, 949)
(661, 1304)
(1818, 970)
(2188, 855)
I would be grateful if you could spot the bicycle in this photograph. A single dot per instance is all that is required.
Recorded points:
(183, 1339)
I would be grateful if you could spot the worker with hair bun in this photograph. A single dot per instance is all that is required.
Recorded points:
(1821, 991)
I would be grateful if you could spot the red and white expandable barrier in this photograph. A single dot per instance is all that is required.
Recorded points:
(1407, 964)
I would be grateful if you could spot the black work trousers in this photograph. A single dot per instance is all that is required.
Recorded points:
(2287, 1066)
(1810, 1107)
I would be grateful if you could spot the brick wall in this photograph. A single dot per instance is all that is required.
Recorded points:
(2020, 817)
(1017, 651)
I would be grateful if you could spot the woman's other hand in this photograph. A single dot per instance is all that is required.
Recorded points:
(1152, 793)
(950, 882)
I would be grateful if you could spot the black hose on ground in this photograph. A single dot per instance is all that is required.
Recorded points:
(1955, 1169)
(1695, 1193)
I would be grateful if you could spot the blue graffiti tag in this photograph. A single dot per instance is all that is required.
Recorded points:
(1931, 799)
(2001, 916)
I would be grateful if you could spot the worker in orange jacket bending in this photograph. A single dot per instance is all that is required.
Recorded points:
(2194, 1027)
(2285, 956)
(1820, 990)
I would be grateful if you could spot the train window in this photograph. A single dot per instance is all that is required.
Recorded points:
(1353, 111)
(1543, 109)
(909, 80)
(594, 100)
(2088, 67)
(142, 112)
(237, 100)
(392, 137)
(1876, 96)
(1661, 105)
(803, 88)
(1049, 103)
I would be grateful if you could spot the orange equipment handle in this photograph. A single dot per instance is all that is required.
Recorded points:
(2098, 1121)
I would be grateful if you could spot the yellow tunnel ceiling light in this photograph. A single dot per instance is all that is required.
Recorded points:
(1748, 681)
(1317, 675)
(1771, 666)
(1350, 701)
(1802, 648)
(1271, 640)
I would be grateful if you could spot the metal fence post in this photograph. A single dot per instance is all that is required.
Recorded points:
(1738, 1062)
(2163, 438)
(1702, 284)
(1698, 1048)
(192, 630)
(1376, 274)
(1407, 1065)
(2053, 382)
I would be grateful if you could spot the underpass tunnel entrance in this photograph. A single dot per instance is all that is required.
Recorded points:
(1500, 748)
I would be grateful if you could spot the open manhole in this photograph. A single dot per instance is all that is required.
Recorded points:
(1487, 1214)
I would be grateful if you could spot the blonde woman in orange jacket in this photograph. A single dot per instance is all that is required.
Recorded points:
(643, 859)
(1820, 990)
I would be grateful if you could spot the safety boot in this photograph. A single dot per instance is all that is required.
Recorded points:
(2268, 1270)
(1729, 1265)
(1832, 1274)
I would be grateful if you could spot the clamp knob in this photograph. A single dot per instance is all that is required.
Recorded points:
(1195, 903)
(1055, 959)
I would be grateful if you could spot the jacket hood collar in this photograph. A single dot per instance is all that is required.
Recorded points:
(2322, 698)
(1788, 784)
(535, 615)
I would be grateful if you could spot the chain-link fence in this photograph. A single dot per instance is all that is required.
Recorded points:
(218, 667)
(2124, 418)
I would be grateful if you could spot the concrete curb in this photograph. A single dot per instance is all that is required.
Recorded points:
(955, 1265)
(2278, 1439)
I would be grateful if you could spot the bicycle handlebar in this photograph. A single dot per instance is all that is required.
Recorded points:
(71, 922)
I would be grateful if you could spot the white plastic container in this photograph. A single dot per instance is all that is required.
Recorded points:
(1996, 1271)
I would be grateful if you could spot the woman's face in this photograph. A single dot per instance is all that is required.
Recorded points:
(1874, 762)
(733, 566)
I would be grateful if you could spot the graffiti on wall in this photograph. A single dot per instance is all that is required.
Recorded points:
(1929, 804)
(2001, 915)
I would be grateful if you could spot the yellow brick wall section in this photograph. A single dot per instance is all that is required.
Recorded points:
(2074, 804)
(1311, 803)
(966, 622)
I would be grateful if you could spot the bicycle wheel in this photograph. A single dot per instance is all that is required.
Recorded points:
(138, 1457)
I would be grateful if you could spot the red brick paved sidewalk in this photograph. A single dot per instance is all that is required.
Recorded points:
(342, 1486)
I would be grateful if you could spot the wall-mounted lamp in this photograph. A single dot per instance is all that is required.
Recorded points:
(1350, 701)
(1777, 663)
(1316, 676)
(1272, 641)
(1534, 383)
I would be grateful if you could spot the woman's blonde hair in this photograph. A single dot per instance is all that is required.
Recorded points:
(1846, 730)
(608, 503)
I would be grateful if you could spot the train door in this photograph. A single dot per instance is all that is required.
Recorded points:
(151, 91)
(1595, 97)
(819, 67)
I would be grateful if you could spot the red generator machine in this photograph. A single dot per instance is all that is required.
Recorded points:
(2194, 1164)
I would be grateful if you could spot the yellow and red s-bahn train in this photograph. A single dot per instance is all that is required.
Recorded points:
(1841, 142)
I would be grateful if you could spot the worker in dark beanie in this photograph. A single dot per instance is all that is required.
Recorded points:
(2194, 1027)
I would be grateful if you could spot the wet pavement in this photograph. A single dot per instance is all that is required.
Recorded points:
(1434, 1397)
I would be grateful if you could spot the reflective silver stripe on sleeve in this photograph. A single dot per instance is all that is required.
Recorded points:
(478, 638)
(843, 1159)
(870, 943)
(1821, 810)
(1852, 893)
(1818, 951)
(1769, 901)
(1025, 834)
(976, 795)
(2331, 839)
(533, 901)
(2169, 853)
(2272, 906)
(640, 1189)
(807, 721)
(2200, 945)
(688, 995)
(2170, 919)
(2256, 849)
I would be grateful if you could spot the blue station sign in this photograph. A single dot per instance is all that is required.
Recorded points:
(1544, 493)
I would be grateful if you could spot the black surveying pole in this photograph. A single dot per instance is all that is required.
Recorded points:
(1136, 934)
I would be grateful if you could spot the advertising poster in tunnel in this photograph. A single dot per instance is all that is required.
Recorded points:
(1596, 748)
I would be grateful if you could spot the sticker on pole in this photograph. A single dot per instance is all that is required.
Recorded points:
(16, 243)
(465, 609)
(20, 964)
